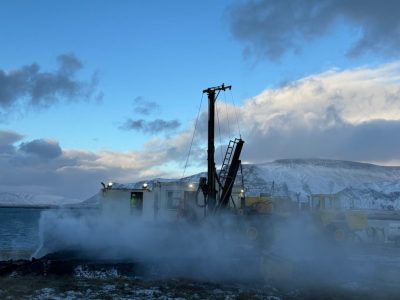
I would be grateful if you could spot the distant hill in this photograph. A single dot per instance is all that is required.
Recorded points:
(8, 199)
(368, 186)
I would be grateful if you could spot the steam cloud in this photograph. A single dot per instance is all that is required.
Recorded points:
(195, 251)
(217, 249)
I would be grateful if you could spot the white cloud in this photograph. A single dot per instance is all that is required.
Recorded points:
(358, 95)
(349, 114)
(77, 173)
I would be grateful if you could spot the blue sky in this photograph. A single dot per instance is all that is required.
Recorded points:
(165, 53)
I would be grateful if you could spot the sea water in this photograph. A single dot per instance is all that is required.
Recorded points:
(19, 232)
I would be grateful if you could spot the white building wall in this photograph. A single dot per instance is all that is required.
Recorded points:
(163, 202)
(149, 205)
(116, 202)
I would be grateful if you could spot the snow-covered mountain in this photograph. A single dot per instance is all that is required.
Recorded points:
(358, 185)
(8, 199)
(364, 185)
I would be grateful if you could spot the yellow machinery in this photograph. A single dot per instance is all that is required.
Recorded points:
(264, 212)
(261, 205)
(326, 217)
(279, 205)
(337, 224)
(325, 208)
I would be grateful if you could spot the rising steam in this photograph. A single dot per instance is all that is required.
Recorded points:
(218, 248)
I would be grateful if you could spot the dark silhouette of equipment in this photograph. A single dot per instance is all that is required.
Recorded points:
(233, 169)
(230, 165)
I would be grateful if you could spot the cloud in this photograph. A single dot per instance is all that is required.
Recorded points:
(152, 127)
(69, 64)
(7, 138)
(226, 124)
(30, 86)
(144, 107)
(349, 114)
(339, 114)
(352, 114)
(272, 28)
(42, 148)
(42, 166)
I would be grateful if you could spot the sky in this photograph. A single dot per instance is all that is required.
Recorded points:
(95, 91)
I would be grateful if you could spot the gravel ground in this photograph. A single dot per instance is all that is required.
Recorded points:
(127, 288)
(111, 286)
(59, 279)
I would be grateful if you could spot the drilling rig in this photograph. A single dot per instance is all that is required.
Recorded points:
(217, 200)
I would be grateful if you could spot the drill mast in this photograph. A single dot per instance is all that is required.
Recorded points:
(212, 177)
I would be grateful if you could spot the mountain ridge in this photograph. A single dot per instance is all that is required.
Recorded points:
(370, 186)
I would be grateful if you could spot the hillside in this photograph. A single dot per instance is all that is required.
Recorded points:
(362, 185)
(365, 185)
(8, 199)
(369, 186)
